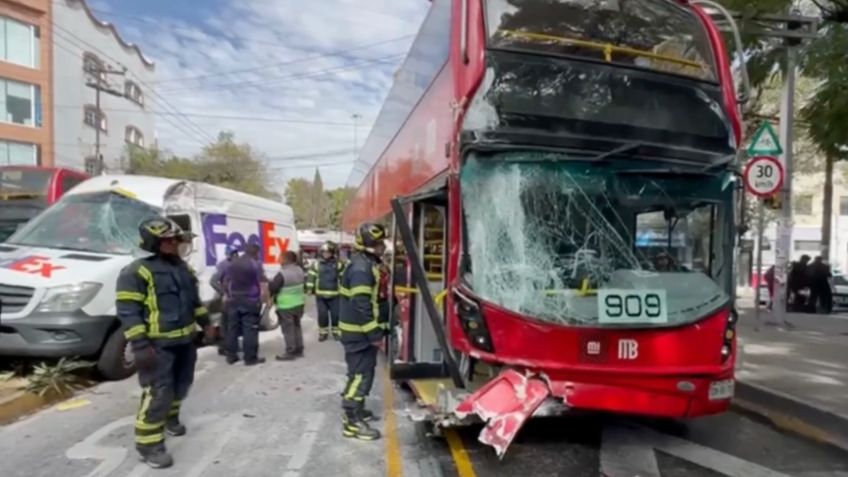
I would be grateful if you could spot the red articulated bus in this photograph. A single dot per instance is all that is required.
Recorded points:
(27, 190)
(560, 177)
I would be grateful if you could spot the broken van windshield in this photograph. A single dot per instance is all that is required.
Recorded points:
(549, 237)
(102, 222)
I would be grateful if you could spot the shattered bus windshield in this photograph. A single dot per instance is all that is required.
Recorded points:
(650, 34)
(548, 237)
(102, 222)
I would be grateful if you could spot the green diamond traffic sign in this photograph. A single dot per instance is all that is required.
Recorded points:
(765, 142)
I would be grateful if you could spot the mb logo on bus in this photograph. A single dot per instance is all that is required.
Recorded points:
(628, 349)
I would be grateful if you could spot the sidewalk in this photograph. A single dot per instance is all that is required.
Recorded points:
(797, 377)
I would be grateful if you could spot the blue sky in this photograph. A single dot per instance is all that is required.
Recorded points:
(315, 62)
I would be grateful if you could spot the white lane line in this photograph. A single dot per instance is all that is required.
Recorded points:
(304, 447)
(110, 457)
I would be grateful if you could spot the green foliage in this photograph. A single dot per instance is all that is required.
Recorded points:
(58, 380)
(224, 163)
(313, 206)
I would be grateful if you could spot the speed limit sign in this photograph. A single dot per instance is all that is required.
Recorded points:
(763, 176)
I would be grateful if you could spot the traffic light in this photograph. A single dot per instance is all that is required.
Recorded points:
(773, 202)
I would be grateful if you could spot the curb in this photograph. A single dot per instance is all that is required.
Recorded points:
(793, 415)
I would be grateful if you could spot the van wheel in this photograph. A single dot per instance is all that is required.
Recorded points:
(116, 360)
(269, 320)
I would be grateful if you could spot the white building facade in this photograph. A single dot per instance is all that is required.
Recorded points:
(89, 53)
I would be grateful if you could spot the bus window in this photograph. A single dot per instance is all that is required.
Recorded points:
(434, 244)
(69, 181)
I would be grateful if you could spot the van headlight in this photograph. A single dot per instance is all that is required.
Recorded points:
(68, 298)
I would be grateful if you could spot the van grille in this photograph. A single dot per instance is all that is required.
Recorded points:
(13, 299)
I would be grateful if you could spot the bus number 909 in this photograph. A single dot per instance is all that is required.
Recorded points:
(632, 306)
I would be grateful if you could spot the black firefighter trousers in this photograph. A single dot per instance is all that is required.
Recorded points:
(163, 389)
(361, 367)
(328, 312)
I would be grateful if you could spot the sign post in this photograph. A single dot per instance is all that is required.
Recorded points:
(763, 178)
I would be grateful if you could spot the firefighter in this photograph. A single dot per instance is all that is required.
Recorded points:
(159, 306)
(361, 328)
(323, 282)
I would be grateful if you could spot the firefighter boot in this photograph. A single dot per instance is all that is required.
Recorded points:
(365, 414)
(174, 427)
(355, 427)
(155, 456)
(323, 334)
(337, 333)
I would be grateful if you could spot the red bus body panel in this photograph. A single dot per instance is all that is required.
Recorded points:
(675, 366)
(54, 191)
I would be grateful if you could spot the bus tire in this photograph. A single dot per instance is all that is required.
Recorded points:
(115, 362)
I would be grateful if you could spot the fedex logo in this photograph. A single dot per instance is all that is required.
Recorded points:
(271, 246)
(32, 264)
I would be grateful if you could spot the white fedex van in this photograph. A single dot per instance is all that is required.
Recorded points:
(58, 273)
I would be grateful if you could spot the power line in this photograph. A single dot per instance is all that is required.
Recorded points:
(152, 92)
(177, 125)
(337, 152)
(309, 166)
(272, 80)
(218, 116)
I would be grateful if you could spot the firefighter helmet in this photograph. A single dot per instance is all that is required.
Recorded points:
(152, 231)
(369, 235)
(328, 246)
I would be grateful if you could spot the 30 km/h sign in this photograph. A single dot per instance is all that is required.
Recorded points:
(763, 176)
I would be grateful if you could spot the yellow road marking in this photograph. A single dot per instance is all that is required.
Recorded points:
(460, 456)
(394, 465)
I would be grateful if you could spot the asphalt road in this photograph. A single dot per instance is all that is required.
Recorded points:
(283, 419)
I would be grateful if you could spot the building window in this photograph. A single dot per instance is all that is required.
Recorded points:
(803, 205)
(19, 102)
(18, 153)
(133, 136)
(93, 65)
(93, 118)
(92, 166)
(133, 93)
(807, 246)
(19, 43)
(843, 205)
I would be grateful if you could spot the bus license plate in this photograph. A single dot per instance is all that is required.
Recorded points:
(720, 390)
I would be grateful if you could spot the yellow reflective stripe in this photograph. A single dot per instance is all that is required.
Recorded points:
(130, 296)
(145, 404)
(326, 293)
(151, 439)
(351, 390)
(176, 403)
(152, 304)
(366, 328)
(135, 331)
(360, 290)
(178, 333)
(143, 426)
(200, 311)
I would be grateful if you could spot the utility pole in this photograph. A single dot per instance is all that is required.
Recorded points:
(99, 85)
(356, 118)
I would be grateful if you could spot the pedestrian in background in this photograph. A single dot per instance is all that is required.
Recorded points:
(289, 299)
(821, 295)
(245, 278)
(158, 303)
(220, 303)
(797, 284)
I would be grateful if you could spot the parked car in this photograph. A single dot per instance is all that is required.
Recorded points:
(840, 291)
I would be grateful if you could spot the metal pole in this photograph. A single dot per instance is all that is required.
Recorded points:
(97, 157)
(784, 225)
(760, 225)
(356, 118)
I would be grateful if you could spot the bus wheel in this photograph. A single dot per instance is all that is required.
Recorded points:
(116, 359)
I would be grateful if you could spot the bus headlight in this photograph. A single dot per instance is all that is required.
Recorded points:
(68, 298)
(473, 323)
(729, 335)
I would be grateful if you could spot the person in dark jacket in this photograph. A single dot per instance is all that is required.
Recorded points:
(818, 278)
(362, 332)
(323, 282)
(289, 298)
(796, 282)
(220, 302)
(245, 278)
(158, 303)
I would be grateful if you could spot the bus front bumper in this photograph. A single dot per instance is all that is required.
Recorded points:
(54, 335)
